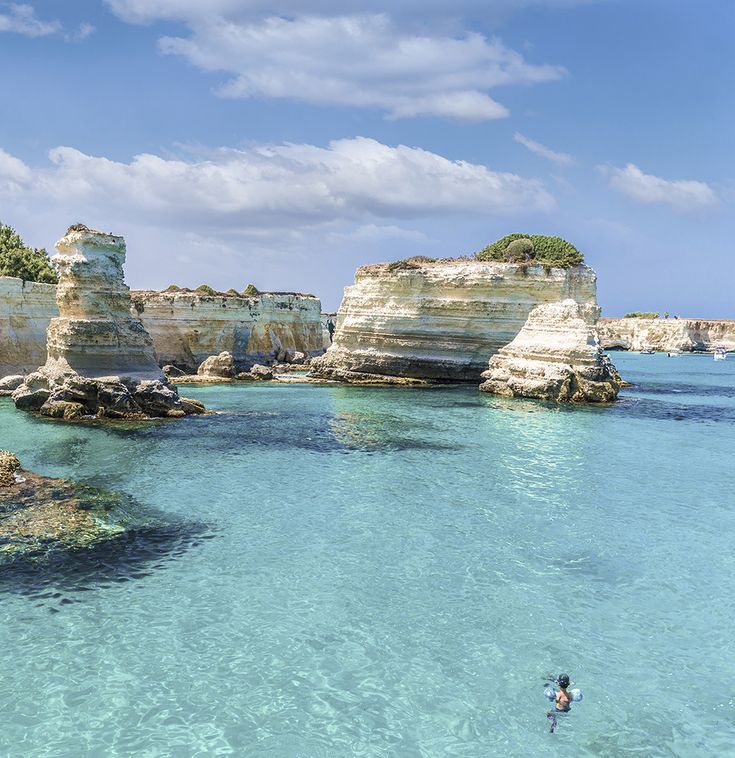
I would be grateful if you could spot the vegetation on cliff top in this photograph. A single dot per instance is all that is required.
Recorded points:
(641, 314)
(30, 264)
(251, 291)
(532, 248)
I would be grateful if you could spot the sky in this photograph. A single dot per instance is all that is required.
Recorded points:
(285, 144)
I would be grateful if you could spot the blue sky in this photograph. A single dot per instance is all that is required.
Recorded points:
(239, 141)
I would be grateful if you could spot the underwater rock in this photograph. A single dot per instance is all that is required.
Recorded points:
(100, 357)
(555, 357)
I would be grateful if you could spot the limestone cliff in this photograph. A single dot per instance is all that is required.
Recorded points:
(100, 357)
(556, 357)
(26, 308)
(188, 327)
(440, 320)
(666, 334)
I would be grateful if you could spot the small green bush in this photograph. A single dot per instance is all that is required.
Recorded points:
(232, 291)
(549, 251)
(251, 291)
(408, 264)
(30, 264)
(205, 289)
(641, 314)
(172, 288)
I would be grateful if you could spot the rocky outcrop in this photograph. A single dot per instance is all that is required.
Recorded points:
(555, 357)
(439, 320)
(188, 327)
(100, 357)
(26, 308)
(220, 365)
(666, 334)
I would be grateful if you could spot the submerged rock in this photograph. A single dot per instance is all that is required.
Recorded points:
(72, 527)
(555, 357)
(100, 357)
(39, 514)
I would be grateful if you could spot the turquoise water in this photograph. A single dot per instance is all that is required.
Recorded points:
(390, 572)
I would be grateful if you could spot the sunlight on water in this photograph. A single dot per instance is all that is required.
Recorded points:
(389, 572)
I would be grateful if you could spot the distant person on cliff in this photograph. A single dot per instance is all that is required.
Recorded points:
(330, 329)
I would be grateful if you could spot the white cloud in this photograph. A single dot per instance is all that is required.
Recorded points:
(21, 19)
(289, 216)
(363, 61)
(543, 151)
(14, 174)
(147, 11)
(685, 195)
(85, 30)
(277, 185)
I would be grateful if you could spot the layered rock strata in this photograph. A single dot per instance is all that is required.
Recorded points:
(26, 308)
(666, 334)
(439, 320)
(100, 357)
(188, 327)
(555, 357)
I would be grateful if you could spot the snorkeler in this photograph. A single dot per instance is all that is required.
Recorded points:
(563, 698)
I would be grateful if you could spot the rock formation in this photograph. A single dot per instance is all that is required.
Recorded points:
(100, 358)
(666, 334)
(220, 365)
(556, 357)
(439, 320)
(41, 517)
(26, 308)
(188, 327)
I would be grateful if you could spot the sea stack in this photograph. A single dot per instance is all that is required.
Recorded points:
(100, 357)
(555, 357)
(421, 319)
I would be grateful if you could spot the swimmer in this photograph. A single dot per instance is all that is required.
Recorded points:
(562, 701)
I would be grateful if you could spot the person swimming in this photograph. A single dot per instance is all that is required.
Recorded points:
(562, 700)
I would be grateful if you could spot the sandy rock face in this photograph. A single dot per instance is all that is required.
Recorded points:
(100, 358)
(439, 320)
(188, 327)
(26, 308)
(666, 334)
(555, 357)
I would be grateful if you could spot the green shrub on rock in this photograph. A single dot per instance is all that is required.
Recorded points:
(641, 314)
(408, 264)
(205, 289)
(172, 288)
(27, 263)
(251, 291)
(548, 251)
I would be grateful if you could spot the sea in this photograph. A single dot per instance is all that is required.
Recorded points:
(354, 571)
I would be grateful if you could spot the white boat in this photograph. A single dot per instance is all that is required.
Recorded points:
(720, 353)
(673, 353)
(647, 351)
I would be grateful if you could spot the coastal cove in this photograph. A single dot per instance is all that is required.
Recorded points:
(388, 572)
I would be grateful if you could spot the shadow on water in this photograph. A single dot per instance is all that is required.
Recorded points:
(60, 577)
(345, 432)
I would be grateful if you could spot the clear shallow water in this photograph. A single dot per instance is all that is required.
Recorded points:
(390, 572)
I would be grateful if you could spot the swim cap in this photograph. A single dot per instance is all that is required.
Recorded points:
(563, 680)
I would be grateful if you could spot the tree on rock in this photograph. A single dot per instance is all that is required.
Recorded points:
(30, 264)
